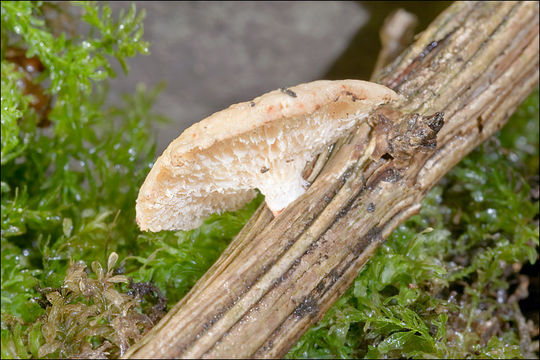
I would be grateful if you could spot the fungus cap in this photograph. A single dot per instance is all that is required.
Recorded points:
(216, 164)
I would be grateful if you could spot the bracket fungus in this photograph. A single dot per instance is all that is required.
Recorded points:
(216, 164)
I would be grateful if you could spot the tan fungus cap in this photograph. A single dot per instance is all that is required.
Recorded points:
(216, 164)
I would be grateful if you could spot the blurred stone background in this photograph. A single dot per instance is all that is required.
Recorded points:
(212, 54)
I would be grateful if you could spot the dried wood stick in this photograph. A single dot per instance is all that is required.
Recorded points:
(460, 82)
(396, 34)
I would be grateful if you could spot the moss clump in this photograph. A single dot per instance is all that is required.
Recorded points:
(87, 308)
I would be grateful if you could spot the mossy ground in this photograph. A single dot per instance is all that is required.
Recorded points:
(448, 283)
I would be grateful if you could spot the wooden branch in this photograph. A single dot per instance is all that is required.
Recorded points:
(396, 34)
(474, 64)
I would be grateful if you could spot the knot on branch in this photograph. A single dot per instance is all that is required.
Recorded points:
(399, 137)
(421, 133)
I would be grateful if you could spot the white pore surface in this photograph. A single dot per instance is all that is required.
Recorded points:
(222, 177)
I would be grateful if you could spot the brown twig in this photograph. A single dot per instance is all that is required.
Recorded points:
(396, 34)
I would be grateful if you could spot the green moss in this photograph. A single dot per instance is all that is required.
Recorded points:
(175, 260)
(70, 172)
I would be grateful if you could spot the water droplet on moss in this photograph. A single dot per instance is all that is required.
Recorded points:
(478, 196)
(492, 213)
